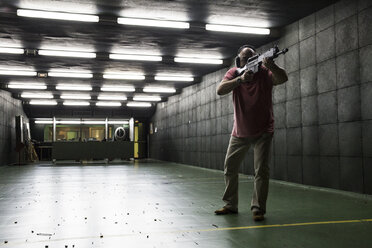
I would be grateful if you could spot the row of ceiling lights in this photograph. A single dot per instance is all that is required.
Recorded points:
(86, 103)
(83, 74)
(126, 21)
(49, 95)
(105, 88)
(112, 88)
(116, 56)
(81, 121)
(87, 87)
(140, 21)
(80, 96)
(109, 99)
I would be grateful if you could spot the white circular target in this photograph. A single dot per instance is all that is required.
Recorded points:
(120, 133)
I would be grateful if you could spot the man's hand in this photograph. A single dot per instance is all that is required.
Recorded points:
(247, 76)
(269, 63)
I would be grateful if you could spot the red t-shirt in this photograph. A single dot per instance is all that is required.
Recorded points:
(253, 108)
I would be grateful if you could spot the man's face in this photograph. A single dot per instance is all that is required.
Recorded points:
(245, 54)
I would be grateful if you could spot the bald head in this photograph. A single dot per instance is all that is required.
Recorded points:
(245, 54)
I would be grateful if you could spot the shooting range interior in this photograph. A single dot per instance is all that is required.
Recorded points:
(129, 123)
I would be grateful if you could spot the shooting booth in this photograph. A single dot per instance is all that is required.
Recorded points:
(88, 139)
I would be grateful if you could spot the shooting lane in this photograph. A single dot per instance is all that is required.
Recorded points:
(124, 143)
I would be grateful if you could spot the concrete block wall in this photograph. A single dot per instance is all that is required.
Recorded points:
(194, 127)
(9, 109)
(323, 114)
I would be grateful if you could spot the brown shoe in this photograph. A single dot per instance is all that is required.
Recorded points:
(258, 215)
(224, 210)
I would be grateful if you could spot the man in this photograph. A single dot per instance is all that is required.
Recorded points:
(253, 126)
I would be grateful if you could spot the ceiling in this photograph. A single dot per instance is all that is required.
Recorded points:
(107, 36)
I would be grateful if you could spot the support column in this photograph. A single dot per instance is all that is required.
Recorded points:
(106, 129)
(131, 129)
(54, 129)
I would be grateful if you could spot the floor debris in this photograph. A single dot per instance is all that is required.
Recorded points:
(44, 234)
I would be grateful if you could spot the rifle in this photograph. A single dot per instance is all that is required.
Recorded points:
(254, 62)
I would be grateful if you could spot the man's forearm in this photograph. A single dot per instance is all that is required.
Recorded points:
(279, 74)
(226, 87)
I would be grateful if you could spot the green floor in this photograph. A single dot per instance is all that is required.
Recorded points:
(154, 204)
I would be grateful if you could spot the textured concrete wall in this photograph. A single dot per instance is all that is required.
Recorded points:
(323, 114)
(9, 109)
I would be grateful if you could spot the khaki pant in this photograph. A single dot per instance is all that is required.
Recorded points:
(238, 147)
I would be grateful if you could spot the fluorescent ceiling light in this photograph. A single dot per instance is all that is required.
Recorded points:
(44, 122)
(139, 104)
(93, 122)
(118, 122)
(73, 87)
(135, 57)
(147, 98)
(174, 78)
(18, 73)
(237, 29)
(159, 90)
(68, 122)
(76, 96)
(111, 97)
(70, 74)
(29, 86)
(43, 102)
(153, 23)
(123, 76)
(76, 103)
(234, 20)
(143, 50)
(115, 88)
(198, 60)
(109, 104)
(36, 95)
(67, 54)
(57, 15)
(11, 50)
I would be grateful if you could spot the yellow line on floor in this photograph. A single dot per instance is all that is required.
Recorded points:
(19, 242)
(281, 225)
